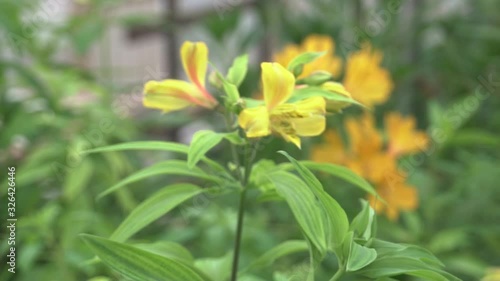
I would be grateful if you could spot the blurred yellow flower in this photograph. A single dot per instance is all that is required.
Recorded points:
(313, 43)
(290, 120)
(403, 136)
(368, 157)
(493, 274)
(169, 95)
(365, 79)
(399, 197)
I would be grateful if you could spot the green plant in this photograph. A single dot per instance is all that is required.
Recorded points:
(322, 221)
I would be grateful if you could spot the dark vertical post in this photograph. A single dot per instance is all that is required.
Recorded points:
(171, 38)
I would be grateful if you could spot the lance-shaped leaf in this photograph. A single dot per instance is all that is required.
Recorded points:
(169, 250)
(305, 208)
(155, 145)
(296, 65)
(281, 250)
(336, 222)
(153, 208)
(237, 72)
(140, 265)
(201, 143)
(170, 167)
(340, 172)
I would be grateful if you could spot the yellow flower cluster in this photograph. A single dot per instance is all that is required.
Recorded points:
(364, 78)
(375, 160)
(290, 120)
(368, 155)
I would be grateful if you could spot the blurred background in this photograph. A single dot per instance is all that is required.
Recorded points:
(71, 78)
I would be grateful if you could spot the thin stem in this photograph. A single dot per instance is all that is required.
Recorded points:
(239, 232)
(234, 153)
(339, 272)
(337, 275)
(241, 210)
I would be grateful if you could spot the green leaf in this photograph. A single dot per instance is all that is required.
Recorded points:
(336, 221)
(281, 250)
(233, 95)
(201, 143)
(392, 266)
(234, 138)
(311, 91)
(77, 179)
(251, 103)
(364, 224)
(296, 65)
(139, 265)
(143, 145)
(153, 208)
(396, 259)
(359, 257)
(237, 72)
(154, 145)
(169, 250)
(169, 167)
(305, 208)
(474, 137)
(216, 268)
(343, 173)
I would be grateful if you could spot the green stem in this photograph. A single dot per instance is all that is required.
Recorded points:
(241, 210)
(239, 232)
(338, 274)
(234, 152)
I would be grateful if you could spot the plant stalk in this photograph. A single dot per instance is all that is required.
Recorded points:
(338, 274)
(241, 210)
(239, 232)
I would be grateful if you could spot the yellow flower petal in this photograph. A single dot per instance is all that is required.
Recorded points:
(403, 136)
(194, 58)
(331, 151)
(292, 138)
(364, 137)
(365, 79)
(303, 118)
(399, 197)
(255, 122)
(278, 84)
(170, 95)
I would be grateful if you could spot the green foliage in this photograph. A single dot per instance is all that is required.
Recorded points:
(138, 264)
(168, 208)
(296, 66)
(153, 208)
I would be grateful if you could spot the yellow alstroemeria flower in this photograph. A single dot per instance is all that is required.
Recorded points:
(367, 81)
(289, 120)
(368, 157)
(399, 197)
(404, 138)
(169, 95)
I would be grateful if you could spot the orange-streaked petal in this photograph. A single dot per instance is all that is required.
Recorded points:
(255, 122)
(170, 95)
(278, 84)
(194, 56)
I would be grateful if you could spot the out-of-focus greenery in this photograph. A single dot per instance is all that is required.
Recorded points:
(440, 55)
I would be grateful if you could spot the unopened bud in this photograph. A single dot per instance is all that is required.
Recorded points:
(215, 80)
